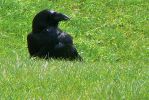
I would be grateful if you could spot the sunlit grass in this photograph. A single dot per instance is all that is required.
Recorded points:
(111, 36)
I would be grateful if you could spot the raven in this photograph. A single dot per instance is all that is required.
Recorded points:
(48, 41)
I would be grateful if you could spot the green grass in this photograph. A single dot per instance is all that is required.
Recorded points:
(112, 36)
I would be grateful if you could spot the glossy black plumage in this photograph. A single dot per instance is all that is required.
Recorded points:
(47, 41)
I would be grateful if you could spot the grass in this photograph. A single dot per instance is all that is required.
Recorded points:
(111, 35)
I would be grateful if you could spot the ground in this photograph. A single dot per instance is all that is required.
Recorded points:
(112, 37)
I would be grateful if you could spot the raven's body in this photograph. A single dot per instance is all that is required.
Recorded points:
(42, 44)
(47, 41)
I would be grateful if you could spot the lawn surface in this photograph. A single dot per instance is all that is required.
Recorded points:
(112, 36)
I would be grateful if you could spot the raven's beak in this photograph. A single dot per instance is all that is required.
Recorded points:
(66, 17)
(61, 17)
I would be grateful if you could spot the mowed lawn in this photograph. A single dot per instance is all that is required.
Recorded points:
(112, 36)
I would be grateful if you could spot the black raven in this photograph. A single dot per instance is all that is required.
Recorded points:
(48, 41)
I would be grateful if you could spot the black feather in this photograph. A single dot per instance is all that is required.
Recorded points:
(47, 41)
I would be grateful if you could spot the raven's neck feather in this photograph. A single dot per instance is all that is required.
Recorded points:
(37, 29)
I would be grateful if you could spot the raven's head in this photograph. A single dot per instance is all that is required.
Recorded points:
(47, 18)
